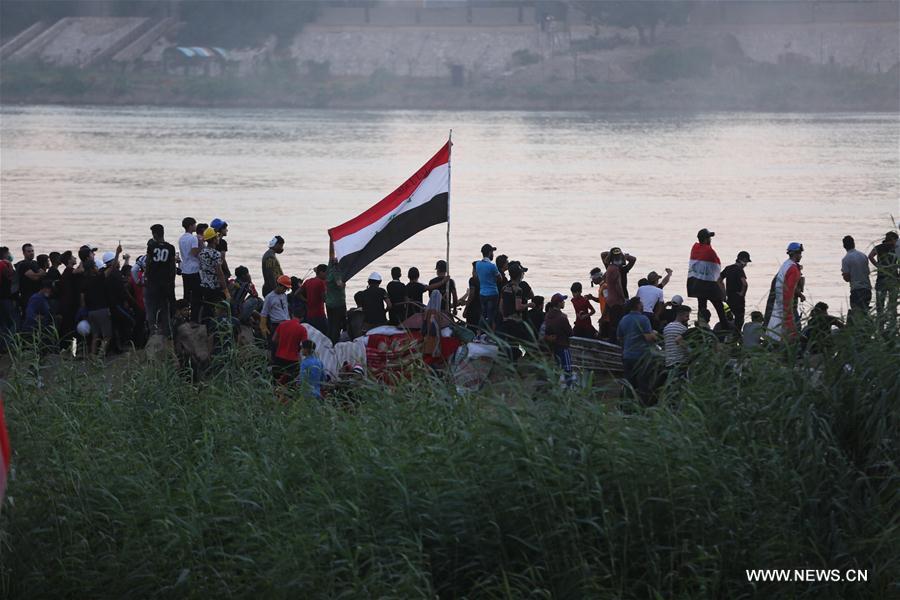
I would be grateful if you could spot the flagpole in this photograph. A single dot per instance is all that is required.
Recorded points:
(449, 179)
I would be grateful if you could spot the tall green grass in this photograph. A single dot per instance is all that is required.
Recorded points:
(132, 482)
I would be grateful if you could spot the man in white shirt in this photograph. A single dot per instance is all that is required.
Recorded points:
(855, 270)
(189, 248)
(652, 298)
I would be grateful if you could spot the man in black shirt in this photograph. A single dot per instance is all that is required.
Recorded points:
(736, 287)
(159, 282)
(372, 301)
(29, 275)
(396, 291)
(886, 258)
(440, 283)
(414, 292)
(514, 309)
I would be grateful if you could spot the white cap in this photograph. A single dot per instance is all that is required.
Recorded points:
(375, 276)
(677, 300)
(108, 256)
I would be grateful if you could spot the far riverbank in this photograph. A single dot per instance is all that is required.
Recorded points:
(756, 87)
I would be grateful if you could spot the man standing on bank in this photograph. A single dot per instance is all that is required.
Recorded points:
(735, 280)
(855, 271)
(159, 282)
(704, 271)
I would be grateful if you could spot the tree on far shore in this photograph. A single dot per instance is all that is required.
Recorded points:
(645, 16)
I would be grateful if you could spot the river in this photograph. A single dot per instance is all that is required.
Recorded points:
(552, 189)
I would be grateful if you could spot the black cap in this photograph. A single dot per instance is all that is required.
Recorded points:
(517, 264)
(515, 270)
(744, 256)
(487, 249)
(705, 233)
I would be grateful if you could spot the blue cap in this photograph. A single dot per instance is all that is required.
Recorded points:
(217, 223)
(795, 247)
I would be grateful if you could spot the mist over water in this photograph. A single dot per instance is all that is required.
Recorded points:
(550, 189)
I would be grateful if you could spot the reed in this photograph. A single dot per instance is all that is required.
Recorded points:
(132, 482)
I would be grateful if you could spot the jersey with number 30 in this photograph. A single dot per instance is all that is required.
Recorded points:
(159, 271)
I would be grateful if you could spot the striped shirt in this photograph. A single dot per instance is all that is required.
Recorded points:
(675, 352)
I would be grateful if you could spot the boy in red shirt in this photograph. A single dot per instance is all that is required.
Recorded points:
(287, 339)
(583, 311)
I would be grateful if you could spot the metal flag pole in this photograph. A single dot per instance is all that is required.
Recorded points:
(449, 179)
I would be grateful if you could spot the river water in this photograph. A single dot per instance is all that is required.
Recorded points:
(552, 189)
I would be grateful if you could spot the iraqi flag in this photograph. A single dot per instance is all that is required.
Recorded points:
(703, 272)
(5, 453)
(422, 201)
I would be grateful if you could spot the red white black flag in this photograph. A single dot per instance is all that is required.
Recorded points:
(422, 201)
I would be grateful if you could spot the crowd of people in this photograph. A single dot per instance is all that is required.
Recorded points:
(113, 303)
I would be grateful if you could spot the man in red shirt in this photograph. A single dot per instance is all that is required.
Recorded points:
(287, 339)
(9, 312)
(313, 292)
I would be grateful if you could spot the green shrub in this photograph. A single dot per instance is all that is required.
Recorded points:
(132, 482)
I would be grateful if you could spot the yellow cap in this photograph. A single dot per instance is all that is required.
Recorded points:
(209, 233)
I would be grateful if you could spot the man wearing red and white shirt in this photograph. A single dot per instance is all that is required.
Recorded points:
(780, 321)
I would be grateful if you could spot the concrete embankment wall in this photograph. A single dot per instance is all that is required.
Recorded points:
(417, 42)
(416, 51)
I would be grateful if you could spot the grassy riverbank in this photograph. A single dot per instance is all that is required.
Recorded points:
(130, 482)
(557, 86)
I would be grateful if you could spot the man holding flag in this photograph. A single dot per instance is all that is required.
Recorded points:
(704, 272)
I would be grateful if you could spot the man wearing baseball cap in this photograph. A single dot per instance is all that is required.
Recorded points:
(373, 300)
(735, 281)
(780, 321)
(704, 271)
(624, 261)
(488, 281)
(557, 331)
